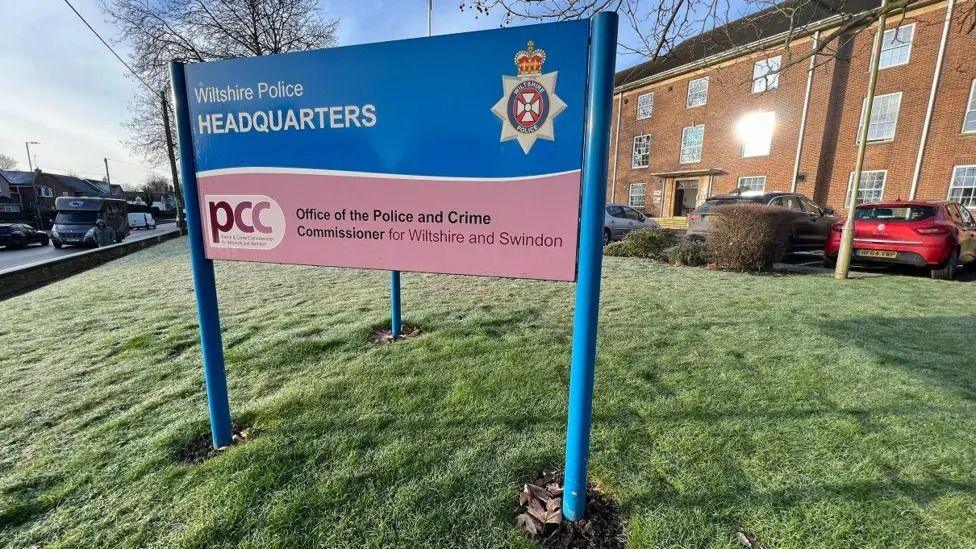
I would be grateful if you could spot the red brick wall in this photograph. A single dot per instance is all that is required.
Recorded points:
(830, 137)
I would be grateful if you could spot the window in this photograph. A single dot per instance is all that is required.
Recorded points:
(969, 122)
(765, 74)
(884, 117)
(753, 183)
(963, 186)
(967, 217)
(10, 208)
(810, 206)
(697, 92)
(896, 46)
(692, 138)
(755, 130)
(871, 188)
(45, 191)
(645, 105)
(630, 213)
(641, 156)
(636, 198)
(788, 202)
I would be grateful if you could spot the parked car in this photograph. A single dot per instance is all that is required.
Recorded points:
(141, 220)
(808, 231)
(621, 220)
(938, 236)
(20, 235)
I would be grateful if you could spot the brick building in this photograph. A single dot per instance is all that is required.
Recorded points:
(728, 109)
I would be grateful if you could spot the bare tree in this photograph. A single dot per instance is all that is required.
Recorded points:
(156, 183)
(7, 162)
(659, 27)
(158, 31)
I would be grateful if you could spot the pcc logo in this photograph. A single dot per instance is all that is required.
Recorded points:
(253, 222)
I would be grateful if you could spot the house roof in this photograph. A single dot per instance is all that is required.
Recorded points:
(795, 14)
(79, 185)
(18, 178)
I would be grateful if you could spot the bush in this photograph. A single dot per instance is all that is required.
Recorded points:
(645, 243)
(692, 253)
(749, 237)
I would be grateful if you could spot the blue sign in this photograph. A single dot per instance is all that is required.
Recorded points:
(417, 107)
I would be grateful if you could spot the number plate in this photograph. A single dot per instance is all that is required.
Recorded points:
(877, 253)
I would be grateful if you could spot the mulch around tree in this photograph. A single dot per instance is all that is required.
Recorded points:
(540, 517)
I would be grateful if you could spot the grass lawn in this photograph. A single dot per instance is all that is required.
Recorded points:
(812, 413)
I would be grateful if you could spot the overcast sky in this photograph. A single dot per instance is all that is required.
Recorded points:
(61, 87)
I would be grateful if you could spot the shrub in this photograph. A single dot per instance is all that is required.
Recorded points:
(692, 253)
(616, 249)
(749, 237)
(645, 243)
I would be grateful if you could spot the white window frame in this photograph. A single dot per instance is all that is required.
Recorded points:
(860, 190)
(762, 80)
(645, 155)
(648, 108)
(10, 207)
(970, 109)
(969, 202)
(681, 152)
(703, 93)
(875, 111)
(762, 178)
(908, 45)
(642, 194)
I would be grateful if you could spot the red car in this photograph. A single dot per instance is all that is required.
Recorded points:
(935, 235)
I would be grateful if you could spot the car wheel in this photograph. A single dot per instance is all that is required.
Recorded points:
(947, 271)
(606, 236)
(830, 262)
(45, 241)
(57, 244)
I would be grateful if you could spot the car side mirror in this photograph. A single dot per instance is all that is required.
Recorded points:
(828, 211)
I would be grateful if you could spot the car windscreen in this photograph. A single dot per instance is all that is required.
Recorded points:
(713, 203)
(76, 217)
(893, 213)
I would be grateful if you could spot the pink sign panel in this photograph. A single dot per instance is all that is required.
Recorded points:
(512, 227)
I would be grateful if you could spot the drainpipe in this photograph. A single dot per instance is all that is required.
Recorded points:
(616, 149)
(806, 108)
(931, 107)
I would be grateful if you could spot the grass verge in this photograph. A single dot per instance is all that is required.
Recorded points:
(807, 412)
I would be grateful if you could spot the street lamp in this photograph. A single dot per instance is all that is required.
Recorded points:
(28, 144)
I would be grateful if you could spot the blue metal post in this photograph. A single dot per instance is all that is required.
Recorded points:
(203, 272)
(395, 316)
(596, 152)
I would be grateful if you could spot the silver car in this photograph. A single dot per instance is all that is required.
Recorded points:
(620, 220)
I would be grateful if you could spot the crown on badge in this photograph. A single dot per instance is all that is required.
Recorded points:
(530, 60)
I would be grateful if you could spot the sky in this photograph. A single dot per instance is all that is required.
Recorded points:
(61, 87)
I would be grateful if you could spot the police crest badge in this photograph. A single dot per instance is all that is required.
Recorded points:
(529, 102)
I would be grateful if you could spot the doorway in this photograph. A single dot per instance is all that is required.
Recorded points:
(685, 197)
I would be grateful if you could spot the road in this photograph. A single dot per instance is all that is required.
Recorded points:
(34, 253)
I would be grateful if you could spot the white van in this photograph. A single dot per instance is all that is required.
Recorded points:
(141, 220)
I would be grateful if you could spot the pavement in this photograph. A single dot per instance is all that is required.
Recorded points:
(11, 259)
(812, 263)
